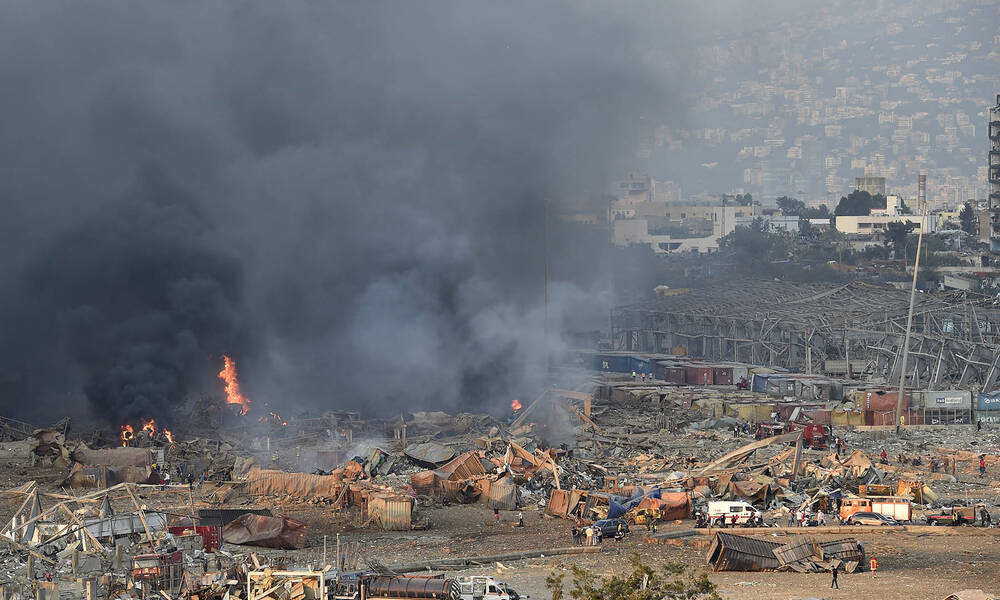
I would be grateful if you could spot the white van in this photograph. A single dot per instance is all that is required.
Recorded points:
(724, 509)
(479, 587)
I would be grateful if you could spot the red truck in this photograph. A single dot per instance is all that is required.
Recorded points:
(813, 436)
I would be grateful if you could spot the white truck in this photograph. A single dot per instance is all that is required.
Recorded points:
(721, 513)
(482, 587)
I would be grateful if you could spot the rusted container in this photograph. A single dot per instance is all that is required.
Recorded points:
(423, 483)
(700, 375)
(723, 375)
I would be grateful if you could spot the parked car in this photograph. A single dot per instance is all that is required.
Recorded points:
(609, 527)
(870, 518)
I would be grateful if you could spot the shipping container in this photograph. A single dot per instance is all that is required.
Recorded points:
(723, 375)
(943, 399)
(739, 372)
(847, 417)
(988, 402)
(697, 375)
(674, 374)
(639, 364)
(884, 400)
(393, 513)
(874, 417)
(614, 363)
(779, 387)
(759, 381)
(991, 417)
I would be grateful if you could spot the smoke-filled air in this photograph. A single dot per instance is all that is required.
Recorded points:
(345, 199)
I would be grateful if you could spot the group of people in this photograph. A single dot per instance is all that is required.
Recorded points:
(803, 518)
(642, 375)
(588, 536)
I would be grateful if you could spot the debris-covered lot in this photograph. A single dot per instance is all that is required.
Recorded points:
(719, 478)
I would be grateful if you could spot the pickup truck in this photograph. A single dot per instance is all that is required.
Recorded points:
(481, 587)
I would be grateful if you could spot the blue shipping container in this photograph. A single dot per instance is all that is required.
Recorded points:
(615, 363)
(990, 401)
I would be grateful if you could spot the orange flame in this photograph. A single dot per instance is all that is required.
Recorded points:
(273, 418)
(233, 395)
(168, 435)
(127, 434)
(515, 405)
(149, 426)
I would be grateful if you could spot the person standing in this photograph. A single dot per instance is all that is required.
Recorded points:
(985, 516)
(576, 535)
(979, 425)
(520, 519)
(982, 465)
(496, 516)
(633, 376)
(821, 519)
(834, 584)
(873, 565)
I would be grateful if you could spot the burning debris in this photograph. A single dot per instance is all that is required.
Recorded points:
(229, 377)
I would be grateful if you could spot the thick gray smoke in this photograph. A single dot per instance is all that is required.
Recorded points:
(346, 197)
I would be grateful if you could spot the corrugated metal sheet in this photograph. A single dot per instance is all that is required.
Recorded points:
(730, 552)
(798, 548)
(261, 482)
(463, 466)
(502, 494)
(847, 549)
(558, 503)
(393, 513)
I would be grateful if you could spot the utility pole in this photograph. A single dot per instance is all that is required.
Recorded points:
(909, 323)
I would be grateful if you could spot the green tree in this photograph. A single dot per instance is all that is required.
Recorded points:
(968, 219)
(895, 236)
(791, 206)
(858, 203)
(744, 199)
(757, 241)
(643, 583)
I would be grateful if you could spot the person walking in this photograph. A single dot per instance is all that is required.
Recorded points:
(834, 584)
(520, 519)
(979, 425)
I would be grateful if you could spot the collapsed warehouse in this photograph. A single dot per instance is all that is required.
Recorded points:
(856, 329)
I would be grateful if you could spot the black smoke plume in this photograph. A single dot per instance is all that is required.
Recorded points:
(347, 197)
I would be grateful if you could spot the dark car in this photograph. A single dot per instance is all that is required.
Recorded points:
(609, 527)
(870, 518)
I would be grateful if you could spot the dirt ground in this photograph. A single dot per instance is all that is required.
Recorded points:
(912, 565)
